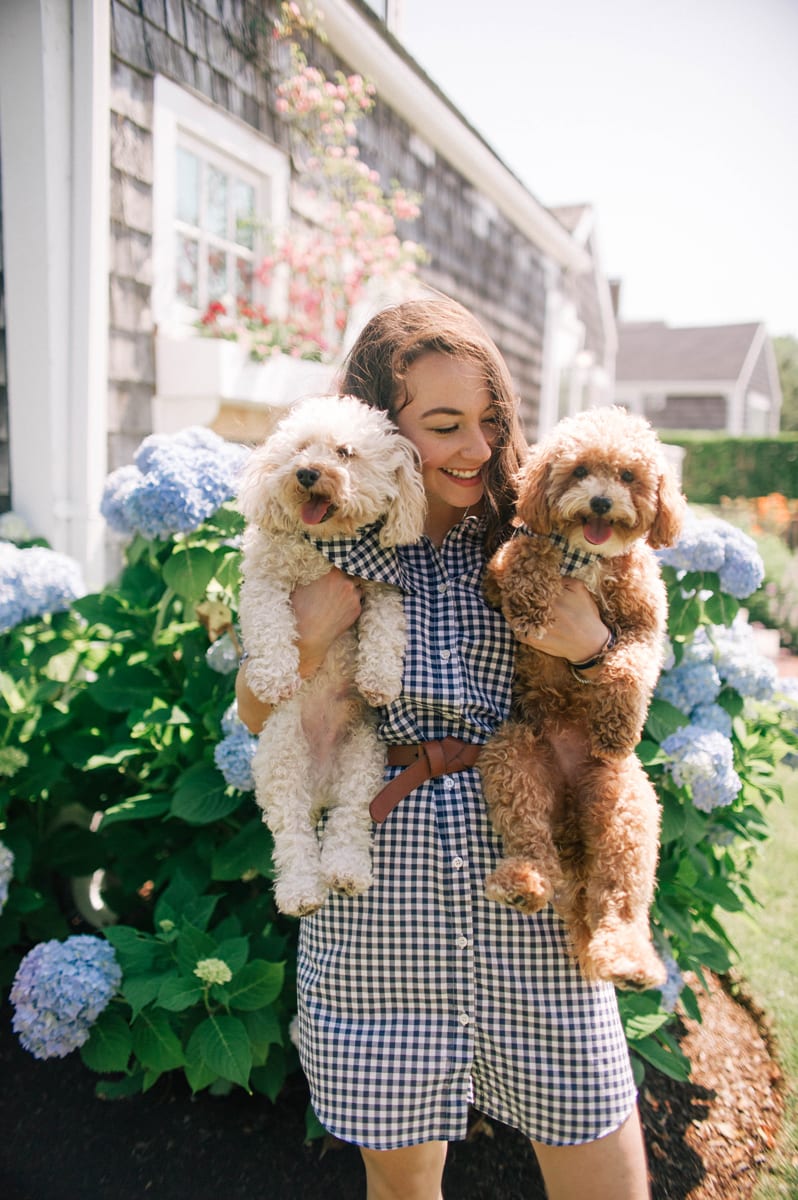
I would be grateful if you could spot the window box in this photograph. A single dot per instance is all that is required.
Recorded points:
(195, 377)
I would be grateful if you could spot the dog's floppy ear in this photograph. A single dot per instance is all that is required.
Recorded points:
(533, 503)
(404, 521)
(671, 506)
(254, 497)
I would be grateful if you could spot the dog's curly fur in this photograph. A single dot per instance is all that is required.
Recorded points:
(580, 822)
(331, 467)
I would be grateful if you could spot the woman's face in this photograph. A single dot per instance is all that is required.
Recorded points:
(450, 416)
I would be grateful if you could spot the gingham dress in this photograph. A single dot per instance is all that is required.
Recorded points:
(421, 997)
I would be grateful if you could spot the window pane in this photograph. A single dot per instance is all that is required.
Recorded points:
(188, 168)
(217, 273)
(186, 260)
(244, 201)
(216, 210)
(244, 275)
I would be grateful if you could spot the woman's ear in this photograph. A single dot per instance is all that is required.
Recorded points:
(404, 521)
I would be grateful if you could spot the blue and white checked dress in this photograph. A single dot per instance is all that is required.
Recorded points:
(421, 996)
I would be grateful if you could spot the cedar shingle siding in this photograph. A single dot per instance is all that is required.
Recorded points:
(221, 49)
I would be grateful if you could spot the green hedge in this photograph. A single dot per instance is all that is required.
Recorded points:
(717, 465)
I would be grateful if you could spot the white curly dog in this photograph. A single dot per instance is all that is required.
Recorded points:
(332, 467)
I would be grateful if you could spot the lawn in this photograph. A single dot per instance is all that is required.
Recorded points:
(769, 964)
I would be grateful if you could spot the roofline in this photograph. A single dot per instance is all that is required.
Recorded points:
(364, 42)
(676, 387)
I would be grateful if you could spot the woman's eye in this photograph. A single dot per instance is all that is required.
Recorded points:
(581, 472)
(628, 476)
(344, 451)
(445, 429)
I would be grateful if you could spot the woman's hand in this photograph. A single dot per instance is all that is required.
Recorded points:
(576, 632)
(323, 610)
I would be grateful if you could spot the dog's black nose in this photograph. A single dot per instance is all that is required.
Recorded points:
(600, 505)
(307, 476)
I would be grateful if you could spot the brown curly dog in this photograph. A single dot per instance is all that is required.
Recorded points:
(577, 814)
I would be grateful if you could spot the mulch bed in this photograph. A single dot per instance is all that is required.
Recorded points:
(707, 1139)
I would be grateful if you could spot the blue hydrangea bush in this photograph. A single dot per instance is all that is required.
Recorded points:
(125, 768)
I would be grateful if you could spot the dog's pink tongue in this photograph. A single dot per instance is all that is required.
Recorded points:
(597, 531)
(315, 510)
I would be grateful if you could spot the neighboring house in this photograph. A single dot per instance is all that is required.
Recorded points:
(106, 111)
(714, 377)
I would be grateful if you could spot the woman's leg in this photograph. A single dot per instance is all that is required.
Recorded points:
(611, 1168)
(412, 1173)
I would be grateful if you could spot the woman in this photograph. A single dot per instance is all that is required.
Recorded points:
(421, 996)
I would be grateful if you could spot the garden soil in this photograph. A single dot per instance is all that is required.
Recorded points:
(707, 1139)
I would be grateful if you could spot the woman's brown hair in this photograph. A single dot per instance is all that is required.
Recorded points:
(391, 342)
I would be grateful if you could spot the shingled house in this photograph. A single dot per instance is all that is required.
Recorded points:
(99, 103)
(715, 377)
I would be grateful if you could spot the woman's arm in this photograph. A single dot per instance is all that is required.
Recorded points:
(323, 609)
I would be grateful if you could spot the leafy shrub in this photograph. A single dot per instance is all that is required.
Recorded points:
(717, 465)
(123, 756)
(110, 717)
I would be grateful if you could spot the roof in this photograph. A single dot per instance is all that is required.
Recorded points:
(652, 351)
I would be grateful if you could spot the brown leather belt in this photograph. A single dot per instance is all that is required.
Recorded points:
(422, 761)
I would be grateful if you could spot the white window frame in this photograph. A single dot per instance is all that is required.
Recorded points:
(181, 117)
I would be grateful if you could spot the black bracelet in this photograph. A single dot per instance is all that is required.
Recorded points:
(596, 659)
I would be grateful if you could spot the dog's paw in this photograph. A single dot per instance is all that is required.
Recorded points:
(378, 688)
(349, 883)
(270, 685)
(350, 875)
(623, 958)
(299, 898)
(519, 885)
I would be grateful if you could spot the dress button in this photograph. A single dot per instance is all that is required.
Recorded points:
(457, 862)
(445, 655)
(464, 1018)
(448, 783)
(443, 588)
(462, 942)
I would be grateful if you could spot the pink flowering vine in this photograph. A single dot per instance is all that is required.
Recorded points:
(348, 236)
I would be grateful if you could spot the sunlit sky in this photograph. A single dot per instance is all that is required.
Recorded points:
(676, 119)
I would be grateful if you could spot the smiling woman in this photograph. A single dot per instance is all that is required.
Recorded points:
(454, 429)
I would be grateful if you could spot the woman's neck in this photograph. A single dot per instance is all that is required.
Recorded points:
(441, 520)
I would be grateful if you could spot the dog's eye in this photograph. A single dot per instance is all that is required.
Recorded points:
(344, 451)
(581, 472)
(628, 476)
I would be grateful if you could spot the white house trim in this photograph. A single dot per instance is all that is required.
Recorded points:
(178, 108)
(405, 89)
(54, 131)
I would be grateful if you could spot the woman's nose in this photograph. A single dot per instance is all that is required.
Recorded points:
(477, 448)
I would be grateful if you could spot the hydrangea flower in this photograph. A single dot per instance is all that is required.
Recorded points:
(739, 664)
(6, 873)
(690, 685)
(35, 581)
(213, 970)
(14, 528)
(712, 717)
(671, 989)
(233, 755)
(710, 544)
(223, 655)
(59, 991)
(12, 759)
(176, 482)
(702, 761)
